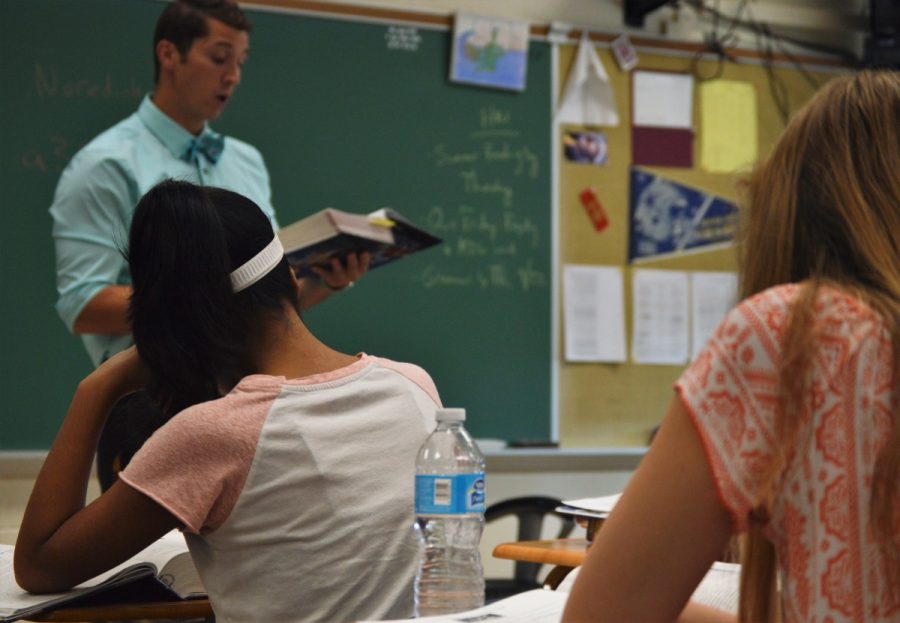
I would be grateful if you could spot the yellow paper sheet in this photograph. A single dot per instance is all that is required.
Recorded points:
(728, 126)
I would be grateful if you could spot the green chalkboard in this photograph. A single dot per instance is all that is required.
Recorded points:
(352, 115)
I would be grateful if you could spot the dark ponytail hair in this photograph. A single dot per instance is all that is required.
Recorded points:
(192, 331)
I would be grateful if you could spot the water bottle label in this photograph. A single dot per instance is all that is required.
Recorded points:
(456, 494)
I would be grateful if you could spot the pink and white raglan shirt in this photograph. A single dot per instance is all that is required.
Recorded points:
(830, 564)
(297, 495)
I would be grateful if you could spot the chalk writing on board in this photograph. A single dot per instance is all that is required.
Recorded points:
(405, 38)
(495, 188)
(48, 83)
(530, 277)
(495, 122)
(50, 157)
(491, 117)
(52, 153)
(495, 134)
(444, 158)
(526, 161)
(490, 241)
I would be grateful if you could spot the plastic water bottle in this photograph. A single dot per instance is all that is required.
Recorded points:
(449, 518)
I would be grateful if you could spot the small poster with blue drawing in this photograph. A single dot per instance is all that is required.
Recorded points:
(489, 51)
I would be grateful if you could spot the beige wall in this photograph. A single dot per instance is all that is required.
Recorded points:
(835, 23)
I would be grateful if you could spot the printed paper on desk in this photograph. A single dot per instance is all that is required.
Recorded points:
(594, 305)
(602, 504)
(534, 606)
(720, 587)
(588, 98)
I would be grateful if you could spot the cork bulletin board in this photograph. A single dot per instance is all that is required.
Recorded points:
(603, 404)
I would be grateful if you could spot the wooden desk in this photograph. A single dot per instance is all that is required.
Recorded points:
(193, 609)
(565, 554)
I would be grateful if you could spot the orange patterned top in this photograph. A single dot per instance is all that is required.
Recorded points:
(829, 562)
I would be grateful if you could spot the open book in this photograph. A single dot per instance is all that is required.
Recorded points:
(598, 508)
(589, 513)
(163, 571)
(329, 233)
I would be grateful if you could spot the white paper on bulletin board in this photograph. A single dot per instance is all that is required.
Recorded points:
(594, 313)
(660, 314)
(662, 99)
(713, 294)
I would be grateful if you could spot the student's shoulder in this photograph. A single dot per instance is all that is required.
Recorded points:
(410, 371)
(763, 314)
(837, 305)
(775, 298)
(835, 309)
(232, 420)
(846, 328)
(841, 325)
(406, 369)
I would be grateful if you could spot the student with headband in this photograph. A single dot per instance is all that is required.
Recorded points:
(199, 51)
(287, 464)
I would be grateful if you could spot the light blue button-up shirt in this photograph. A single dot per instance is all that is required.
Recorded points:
(99, 189)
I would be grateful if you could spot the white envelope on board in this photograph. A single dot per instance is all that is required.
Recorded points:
(588, 98)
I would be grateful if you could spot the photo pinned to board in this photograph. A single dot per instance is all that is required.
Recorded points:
(489, 52)
(585, 147)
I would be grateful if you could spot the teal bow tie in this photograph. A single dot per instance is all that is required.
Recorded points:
(209, 144)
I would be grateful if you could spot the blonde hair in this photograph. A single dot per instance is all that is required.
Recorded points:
(824, 208)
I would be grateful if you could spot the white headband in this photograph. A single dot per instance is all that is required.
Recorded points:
(257, 266)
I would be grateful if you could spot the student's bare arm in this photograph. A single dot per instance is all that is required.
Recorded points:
(61, 542)
(665, 532)
(701, 613)
(106, 313)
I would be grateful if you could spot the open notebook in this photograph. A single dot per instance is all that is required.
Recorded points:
(163, 571)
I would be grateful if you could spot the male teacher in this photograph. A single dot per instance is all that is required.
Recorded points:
(200, 47)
